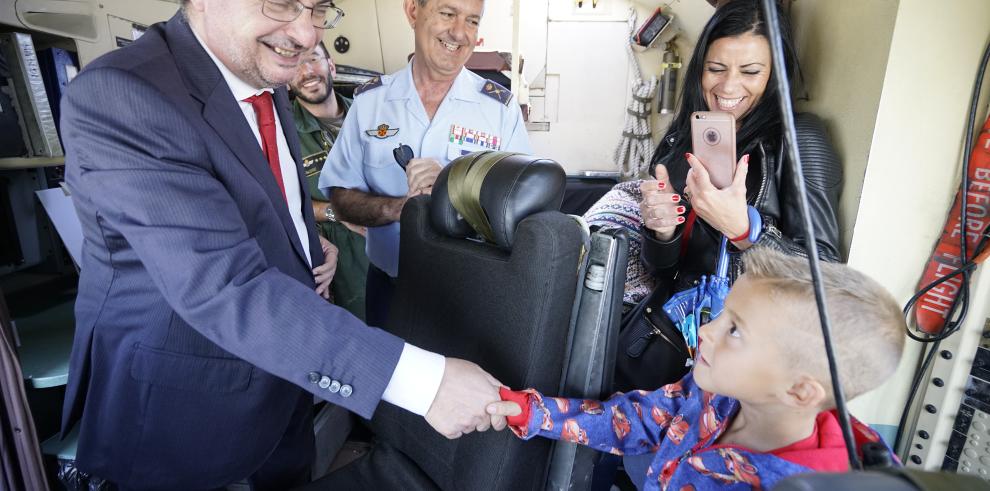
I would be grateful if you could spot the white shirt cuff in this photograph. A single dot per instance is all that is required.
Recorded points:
(416, 380)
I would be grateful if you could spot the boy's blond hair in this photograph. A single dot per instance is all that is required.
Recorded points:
(867, 324)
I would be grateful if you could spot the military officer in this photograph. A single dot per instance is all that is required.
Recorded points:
(319, 112)
(436, 107)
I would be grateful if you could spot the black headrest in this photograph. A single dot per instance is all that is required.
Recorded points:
(515, 188)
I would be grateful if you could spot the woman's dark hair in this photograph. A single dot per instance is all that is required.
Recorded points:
(762, 123)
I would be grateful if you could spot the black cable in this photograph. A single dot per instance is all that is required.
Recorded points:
(919, 373)
(927, 354)
(790, 134)
(956, 314)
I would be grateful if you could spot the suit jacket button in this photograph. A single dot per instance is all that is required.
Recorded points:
(334, 387)
(325, 382)
(346, 390)
(314, 377)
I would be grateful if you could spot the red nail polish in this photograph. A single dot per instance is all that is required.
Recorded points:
(679, 209)
(680, 219)
(675, 198)
(687, 155)
(661, 185)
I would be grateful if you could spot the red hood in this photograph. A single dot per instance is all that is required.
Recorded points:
(825, 449)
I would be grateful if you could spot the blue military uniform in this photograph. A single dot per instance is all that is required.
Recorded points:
(476, 114)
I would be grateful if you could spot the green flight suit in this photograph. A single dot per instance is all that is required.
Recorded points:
(348, 284)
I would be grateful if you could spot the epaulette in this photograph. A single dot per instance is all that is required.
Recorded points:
(497, 92)
(370, 84)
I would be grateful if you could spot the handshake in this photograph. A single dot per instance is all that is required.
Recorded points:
(468, 400)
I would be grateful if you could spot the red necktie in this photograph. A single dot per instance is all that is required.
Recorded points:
(265, 111)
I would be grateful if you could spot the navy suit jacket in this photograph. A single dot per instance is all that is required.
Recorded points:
(197, 327)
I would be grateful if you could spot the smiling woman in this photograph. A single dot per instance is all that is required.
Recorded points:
(736, 73)
(683, 217)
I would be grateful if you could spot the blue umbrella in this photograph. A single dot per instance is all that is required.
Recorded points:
(696, 306)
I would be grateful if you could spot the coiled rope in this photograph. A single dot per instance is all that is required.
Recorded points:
(635, 148)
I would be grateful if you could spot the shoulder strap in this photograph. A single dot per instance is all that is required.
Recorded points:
(496, 91)
(467, 174)
(370, 84)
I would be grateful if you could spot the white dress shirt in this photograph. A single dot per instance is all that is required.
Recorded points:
(416, 379)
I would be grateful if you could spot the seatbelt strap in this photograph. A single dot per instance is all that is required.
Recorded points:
(467, 174)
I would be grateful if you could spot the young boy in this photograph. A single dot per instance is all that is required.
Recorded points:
(758, 405)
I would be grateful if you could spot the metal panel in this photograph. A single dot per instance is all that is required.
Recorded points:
(951, 429)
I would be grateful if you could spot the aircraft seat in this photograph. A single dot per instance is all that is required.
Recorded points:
(519, 307)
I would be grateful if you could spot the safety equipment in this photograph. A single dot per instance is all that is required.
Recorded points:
(652, 28)
(668, 81)
(969, 259)
(934, 306)
(635, 148)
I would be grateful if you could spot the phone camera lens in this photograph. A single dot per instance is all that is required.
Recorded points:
(712, 136)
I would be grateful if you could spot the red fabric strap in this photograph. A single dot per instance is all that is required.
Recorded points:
(741, 238)
(264, 109)
(521, 398)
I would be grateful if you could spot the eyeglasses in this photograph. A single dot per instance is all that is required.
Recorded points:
(325, 16)
(314, 59)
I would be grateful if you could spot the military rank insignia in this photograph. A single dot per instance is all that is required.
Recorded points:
(461, 136)
(313, 164)
(370, 84)
(497, 92)
(382, 132)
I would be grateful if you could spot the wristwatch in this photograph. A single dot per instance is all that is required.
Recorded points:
(328, 212)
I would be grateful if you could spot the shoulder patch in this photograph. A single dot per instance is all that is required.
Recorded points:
(370, 84)
(497, 92)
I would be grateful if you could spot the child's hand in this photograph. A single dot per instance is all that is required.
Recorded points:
(500, 410)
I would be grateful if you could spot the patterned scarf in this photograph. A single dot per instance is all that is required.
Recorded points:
(619, 208)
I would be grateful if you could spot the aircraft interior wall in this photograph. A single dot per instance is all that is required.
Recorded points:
(911, 177)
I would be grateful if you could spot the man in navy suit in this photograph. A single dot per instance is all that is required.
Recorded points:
(200, 341)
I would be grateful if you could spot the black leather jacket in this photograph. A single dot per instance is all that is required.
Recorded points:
(774, 193)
